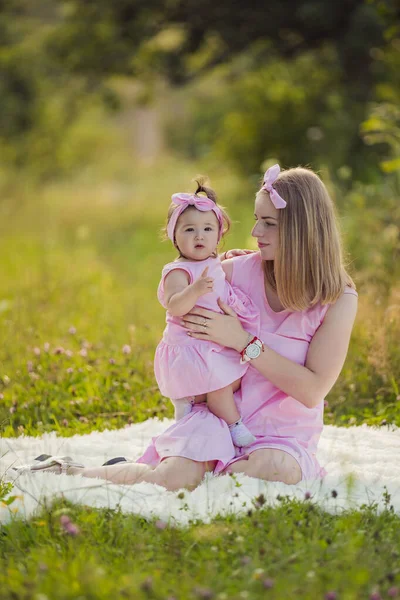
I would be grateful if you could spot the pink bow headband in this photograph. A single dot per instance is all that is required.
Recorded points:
(269, 178)
(200, 202)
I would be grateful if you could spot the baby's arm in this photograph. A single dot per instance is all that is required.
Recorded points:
(180, 296)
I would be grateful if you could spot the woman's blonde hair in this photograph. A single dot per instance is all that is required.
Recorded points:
(309, 266)
(210, 193)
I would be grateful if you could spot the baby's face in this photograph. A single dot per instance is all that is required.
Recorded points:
(196, 233)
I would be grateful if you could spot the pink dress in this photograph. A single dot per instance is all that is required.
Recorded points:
(276, 419)
(185, 366)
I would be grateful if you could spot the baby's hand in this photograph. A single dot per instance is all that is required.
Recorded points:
(237, 252)
(203, 285)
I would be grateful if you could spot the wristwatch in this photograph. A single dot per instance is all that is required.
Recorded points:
(252, 350)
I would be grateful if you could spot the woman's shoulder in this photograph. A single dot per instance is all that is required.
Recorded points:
(246, 267)
(350, 290)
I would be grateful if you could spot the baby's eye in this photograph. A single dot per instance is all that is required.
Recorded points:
(189, 229)
(208, 228)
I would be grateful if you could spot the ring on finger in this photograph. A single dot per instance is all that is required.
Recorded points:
(204, 323)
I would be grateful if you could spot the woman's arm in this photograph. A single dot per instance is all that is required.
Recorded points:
(310, 383)
(180, 296)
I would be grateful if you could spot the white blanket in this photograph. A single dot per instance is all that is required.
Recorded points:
(363, 465)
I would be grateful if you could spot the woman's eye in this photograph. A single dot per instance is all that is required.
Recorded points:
(269, 224)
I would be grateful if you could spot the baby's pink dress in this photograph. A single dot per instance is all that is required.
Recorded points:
(276, 419)
(185, 366)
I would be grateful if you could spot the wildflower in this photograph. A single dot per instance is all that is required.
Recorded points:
(6, 379)
(260, 501)
(330, 595)
(375, 596)
(257, 573)
(64, 422)
(147, 584)
(46, 346)
(160, 524)
(393, 592)
(68, 526)
(326, 403)
(126, 349)
(204, 593)
(268, 583)
(13, 409)
(245, 560)
(21, 429)
(83, 419)
(70, 370)
(36, 351)
(69, 353)
(83, 352)
(310, 574)
(111, 361)
(1, 396)
(72, 330)
(59, 350)
(29, 366)
(307, 495)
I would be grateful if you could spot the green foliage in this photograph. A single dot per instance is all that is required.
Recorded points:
(292, 551)
(297, 112)
(88, 255)
(299, 77)
(5, 489)
(170, 41)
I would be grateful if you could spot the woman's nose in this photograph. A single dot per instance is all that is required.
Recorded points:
(256, 231)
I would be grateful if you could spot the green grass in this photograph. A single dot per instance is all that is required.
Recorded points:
(292, 551)
(80, 266)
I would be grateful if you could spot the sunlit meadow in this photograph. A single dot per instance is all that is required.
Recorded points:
(79, 320)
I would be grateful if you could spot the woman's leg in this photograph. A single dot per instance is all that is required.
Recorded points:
(173, 473)
(269, 464)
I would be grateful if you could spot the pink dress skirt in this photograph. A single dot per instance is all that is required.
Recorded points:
(185, 366)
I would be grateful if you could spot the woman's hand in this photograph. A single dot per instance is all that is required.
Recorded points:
(235, 252)
(225, 329)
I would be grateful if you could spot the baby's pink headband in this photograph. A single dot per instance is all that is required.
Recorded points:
(269, 178)
(200, 202)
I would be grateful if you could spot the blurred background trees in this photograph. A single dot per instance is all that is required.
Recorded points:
(240, 82)
(107, 108)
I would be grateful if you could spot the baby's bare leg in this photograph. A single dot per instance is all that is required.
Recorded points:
(222, 404)
(205, 397)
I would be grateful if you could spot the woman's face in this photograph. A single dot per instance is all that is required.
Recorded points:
(265, 229)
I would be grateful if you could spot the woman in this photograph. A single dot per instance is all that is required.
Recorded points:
(308, 305)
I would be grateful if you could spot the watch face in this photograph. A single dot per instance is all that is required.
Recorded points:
(253, 350)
